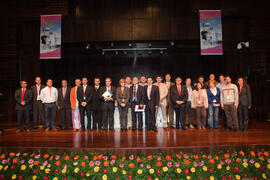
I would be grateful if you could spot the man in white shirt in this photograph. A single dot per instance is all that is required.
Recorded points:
(170, 110)
(49, 96)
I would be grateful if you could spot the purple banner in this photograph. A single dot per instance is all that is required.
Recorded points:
(211, 32)
(50, 36)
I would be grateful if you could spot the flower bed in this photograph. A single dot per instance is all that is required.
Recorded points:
(235, 165)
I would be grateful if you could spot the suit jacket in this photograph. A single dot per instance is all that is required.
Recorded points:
(96, 101)
(103, 90)
(140, 95)
(176, 97)
(27, 98)
(88, 95)
(64, 102)
(126, 95)
(154, 97)
(163, 92)
(245, 96)
(169, 92)
(34, 92)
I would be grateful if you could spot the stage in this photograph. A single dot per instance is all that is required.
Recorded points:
(163, 141)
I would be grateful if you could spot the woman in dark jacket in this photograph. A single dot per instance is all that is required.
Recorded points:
(244, 103)
(122, 97)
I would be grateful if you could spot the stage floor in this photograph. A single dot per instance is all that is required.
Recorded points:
(169, 141)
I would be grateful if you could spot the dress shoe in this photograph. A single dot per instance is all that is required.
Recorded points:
(28, 130)
(46, 129)
(184, 128)
(191, 126)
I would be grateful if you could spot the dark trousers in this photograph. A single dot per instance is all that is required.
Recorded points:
(136, 116)
(170, 111)
(180, 116)
(201, 116)
(123, 116)
(108, 115)
(65, 115)
(224, 119)
(97, 119)
(190, 112)
(150, 117)
(86, 110)
(50, 109)
(26, 114)
(38, 111)
(243, 116)
(231, 115)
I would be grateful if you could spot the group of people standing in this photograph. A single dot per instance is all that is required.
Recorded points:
(84, 107)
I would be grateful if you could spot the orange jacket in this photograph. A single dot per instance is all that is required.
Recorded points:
(73, 98)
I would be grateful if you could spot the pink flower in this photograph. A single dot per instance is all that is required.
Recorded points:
(177, 164)
(85, 157)
(105, 158)
(97, 163)
(169, 164)
(18, 154)
(65, 166)
(22, 161)
(121, 165)
(195, 164)
(57, 157)
(30, 161)
(75, 163)
(4, 161)
(45, 163)
(185, 156)
(245, 160)
(209, 156)
(91, 163)
(148, 166)
(260, 153)
(37, 156)
(131, 157)
(141, 165)
(268, 161)
(221, 163)
(49, 165)
(252, 161)
(159, 158)
(201, 163)
(228, 161)
(112, 161)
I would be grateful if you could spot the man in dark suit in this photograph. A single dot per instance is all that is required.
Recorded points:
(179, 98)
(85, 98)
(38, 109)
(152, 99)
(136, 98)
(23, 97)
(107, 104)
(95, 105)
(64, 105)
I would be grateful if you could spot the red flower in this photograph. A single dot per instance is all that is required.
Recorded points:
(106, 163)
(149, 157)
(35, 171)
(113, 156)
(123, 158)
(20, 177)
(149, 178)
(252, 153)
(46, 156)
(211, 161)
(130, 176)
(11, 154)
(159, 163)
(261, 158)
(15, 160)
(2, 176)
(36, 162)
(65, 178)
(158, 171)
(83, 163)
(56, 171)
(138, 159)
(51, 158)
(238, 160)
(204, 156)
(226, 156)
(255, 178)
(82, 174)
(76, 157)
(229, 176)
(186, 161)
(105, 171)
(241, 153)
(186, 171)
(46, 178)
(100, 156)
(223, 178)
(204, 178)
(131, 165)
(266, 153)
(211, 170)
(2, 157)
(57, 163)
(66, 158)
(12, 167)
(178, 156)
(262, 168)
(244, 175)
(236, 169)
(196, 156)
(95, 158)
(217, 158)
(168, 158)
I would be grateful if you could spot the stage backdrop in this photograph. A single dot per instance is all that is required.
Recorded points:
(50, 36)
(211, 32)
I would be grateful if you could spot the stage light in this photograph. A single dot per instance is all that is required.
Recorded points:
(125, 52)
(103, 53)
(112, 44)
(87, 46)
(129, 45)
(172, 43)
(149, 45)
(161, 52)
(149, 52)
(116, 53)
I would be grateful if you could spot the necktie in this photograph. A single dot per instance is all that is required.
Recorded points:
(134, 92)
(64, 92)
(179, 89)
(23, 92)
(149, 91)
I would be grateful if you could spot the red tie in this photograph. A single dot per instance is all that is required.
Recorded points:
(179, 89)
(23, 91)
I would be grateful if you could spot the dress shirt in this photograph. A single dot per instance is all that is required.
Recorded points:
(48, 95)
(149, 88)
(38, 91)
(189, 90)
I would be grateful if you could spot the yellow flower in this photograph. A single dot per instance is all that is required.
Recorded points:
(219, 166)
(23, 167)
(193, 170)
(165, 168)
(151, 171)
(34, 177)
(64, 171)
(47, 170)
(96, 169)
(13, 176)
(228, 168)
(1, 167)
(268, 166)
(124, 172)
(237, 176)
(76, 170)
(245, 165)
(87, 174)
(55, 178)
(104, 177)
(139, 171)
(257, 165)
(264, 176)
(42, 168)
(204, 168)
(31, 165)
(188, 177)
(212, 177)
(6, 167)
(114, 169)
(156, 178)
(178, 170)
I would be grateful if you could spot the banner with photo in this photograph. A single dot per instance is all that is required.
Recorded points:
(50, 36)
(211, 32)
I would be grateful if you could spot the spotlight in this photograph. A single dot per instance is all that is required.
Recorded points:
(161, 52)
(116, 53)
(87, 46)
(112, 44)
(172, 43)
(103, 53)
(149, 52)
(129, 45)
(125, 52)
(149, 45)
